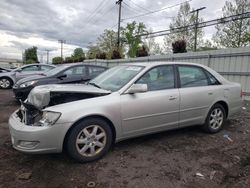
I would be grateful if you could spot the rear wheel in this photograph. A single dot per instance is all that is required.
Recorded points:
(215, 119)
(89, 140)
(6, 83)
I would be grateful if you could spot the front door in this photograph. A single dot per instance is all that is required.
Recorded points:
(155, 110)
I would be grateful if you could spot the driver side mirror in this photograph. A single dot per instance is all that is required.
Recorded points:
(137, 88)
(62, 76)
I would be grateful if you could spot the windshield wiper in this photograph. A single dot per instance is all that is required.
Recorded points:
(94, 84)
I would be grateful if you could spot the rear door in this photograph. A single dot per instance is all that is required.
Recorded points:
(155, 110)
(197, 93)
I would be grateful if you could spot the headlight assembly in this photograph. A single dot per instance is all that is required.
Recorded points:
(26, 84)
(49, 118)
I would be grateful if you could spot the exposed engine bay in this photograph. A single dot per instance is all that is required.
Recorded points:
(50, 95)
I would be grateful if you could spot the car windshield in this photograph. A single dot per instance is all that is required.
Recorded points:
(56, 70)
(115, 78)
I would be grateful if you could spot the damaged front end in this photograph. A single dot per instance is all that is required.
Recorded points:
(32, 110)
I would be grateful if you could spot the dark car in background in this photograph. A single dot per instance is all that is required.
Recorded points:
(63, 74)
(9, 78)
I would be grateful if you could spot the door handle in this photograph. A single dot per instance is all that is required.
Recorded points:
(172, 97)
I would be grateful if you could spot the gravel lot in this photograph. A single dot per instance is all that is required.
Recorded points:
(181, 158)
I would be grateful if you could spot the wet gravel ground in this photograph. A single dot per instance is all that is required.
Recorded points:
(181, 158)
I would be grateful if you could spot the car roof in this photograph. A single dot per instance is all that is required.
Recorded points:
(155, 63)
(80, 63)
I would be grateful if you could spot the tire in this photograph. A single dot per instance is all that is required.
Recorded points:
(89, 140)
(215, 119)
(6, 83)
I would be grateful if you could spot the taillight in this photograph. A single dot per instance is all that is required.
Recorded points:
(242, 93)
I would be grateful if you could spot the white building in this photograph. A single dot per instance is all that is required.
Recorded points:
(10, 63)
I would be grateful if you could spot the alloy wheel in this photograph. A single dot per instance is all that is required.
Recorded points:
(4, 83)
(216, 118)
(91, 140)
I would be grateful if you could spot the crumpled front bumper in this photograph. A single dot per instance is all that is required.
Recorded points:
(34, 139)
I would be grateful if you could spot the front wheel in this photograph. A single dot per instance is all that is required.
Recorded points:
(89, 140)
(6, 83)
(215, 119)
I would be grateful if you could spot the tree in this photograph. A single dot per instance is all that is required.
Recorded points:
(179, 46)
(236, 33)
(183, 19)
(142, 52)
(116, 55)
(130, 34)
(93, 51)
(69, 60)
(101, 55)
(152, 46)
(30, 55)
(78, 55)
(107, 42)
(57, 60)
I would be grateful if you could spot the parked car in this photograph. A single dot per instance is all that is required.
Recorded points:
(8, 79)
(63, 74)
(3, 70)
(123, 102)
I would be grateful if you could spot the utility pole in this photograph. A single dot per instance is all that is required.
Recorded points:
(47, 55)
(62, 41)
(119, 2)
(240, 27)
(196, 25)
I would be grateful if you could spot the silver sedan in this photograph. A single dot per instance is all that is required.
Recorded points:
(124, 102)
(9, 78)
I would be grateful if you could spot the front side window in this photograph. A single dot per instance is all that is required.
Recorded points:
(158, 78)
(191, 76)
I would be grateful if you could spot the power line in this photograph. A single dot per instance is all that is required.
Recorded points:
(93, 13)
(130, 8)
(139, 6)
(200, 25)
(155, 11)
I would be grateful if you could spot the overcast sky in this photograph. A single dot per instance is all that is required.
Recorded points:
(27, 23)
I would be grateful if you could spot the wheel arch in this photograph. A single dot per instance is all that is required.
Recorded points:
(87, 117)
(225, 106)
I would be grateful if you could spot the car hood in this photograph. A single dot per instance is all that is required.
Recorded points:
(30, 78)
(49, 95)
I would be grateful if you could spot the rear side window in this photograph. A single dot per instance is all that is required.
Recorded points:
(78, 70)
(191, 76)
(46, 68)
(96, 70)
